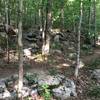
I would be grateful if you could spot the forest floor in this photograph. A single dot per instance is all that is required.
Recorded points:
(55, 61)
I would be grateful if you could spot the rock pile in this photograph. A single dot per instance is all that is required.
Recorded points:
(60, 86)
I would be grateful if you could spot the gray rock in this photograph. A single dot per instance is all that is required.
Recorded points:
(34, 91)
(56, 38)
(31, 77)
(14, 77)
(96, 74)
(57, 51)
(34, 94)
(13, 96)
(25, 81)
(65, 90)
(5, 95)
(25, 91)
(30, 39)
(2, 86)
(50, 80)
(27, 52)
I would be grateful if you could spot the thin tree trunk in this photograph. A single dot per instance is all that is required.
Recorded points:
(74, 24)
(89, 18)
(46, 42)
(94, 19)
(20, 44)
(78, 45)
(62, 16)
(39, 17)
(7, 23)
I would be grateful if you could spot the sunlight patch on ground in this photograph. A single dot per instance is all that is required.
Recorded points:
(63, 65)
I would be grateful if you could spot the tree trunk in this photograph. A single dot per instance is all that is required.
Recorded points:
(94, 20)
(20, 44)
(46, 36)
(78, 44)
(62, 16)
(89, 18)
(7, 24)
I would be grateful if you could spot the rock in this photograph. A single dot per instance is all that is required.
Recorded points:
(30, 34)
(34, 50)
(5, 95)
(50, 80)
(56, 38)
(34, 91)
(31, 77)
(25, 91)
(57, 51)
(25, 82)
(1, 50)
(69, 83)
(96, 74)
(65, 90)
(34, 94)
(10, 85)
(27, 52)
(30, 39)
(34, 45)
(14, 77)
(13, 96)
(2, 86)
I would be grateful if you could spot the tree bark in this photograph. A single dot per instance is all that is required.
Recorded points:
(78, 45)
(62, 16)
(20, 44)
(94, 20)
(6, 26)
(46, 36)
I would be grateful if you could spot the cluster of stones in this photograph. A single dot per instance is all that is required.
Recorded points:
(60, 86)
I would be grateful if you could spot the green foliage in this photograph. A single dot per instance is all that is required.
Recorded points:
(94, 91)
(45, 92)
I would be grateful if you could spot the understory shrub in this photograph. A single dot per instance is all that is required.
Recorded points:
(45, 92)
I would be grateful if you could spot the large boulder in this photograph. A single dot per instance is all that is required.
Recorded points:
(50, 80)
(65, 90)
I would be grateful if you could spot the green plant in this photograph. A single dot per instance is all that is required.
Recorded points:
(94, 91)
(45, 92)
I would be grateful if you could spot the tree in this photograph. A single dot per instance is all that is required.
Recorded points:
(62, 16)
(20, 44)
(94, 20)
(78, 44)
(46, 37)
(7, 21)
